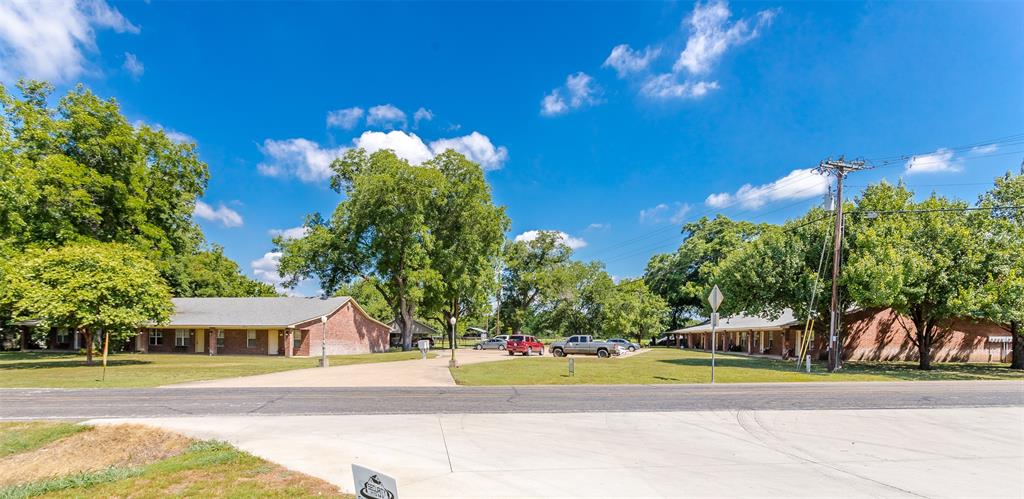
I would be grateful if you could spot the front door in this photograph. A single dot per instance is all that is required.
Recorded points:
(272, 342)
(200, 340)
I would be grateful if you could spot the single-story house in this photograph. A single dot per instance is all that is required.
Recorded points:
(867, 335)
(266, 326)
(419, 331)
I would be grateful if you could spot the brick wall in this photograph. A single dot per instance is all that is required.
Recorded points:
(881, 335)
(349, 331)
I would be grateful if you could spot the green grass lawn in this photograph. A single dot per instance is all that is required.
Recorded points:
(664, 365)
(56, 370)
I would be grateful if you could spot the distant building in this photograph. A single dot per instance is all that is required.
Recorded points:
(867, 335)
(420, 331)
(284, 326)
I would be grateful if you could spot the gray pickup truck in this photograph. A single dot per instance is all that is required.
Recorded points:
(583, 344)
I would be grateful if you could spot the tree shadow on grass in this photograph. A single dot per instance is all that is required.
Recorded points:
(69, 363)
(730, 361)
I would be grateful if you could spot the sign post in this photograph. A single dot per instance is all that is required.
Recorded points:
(714, 299)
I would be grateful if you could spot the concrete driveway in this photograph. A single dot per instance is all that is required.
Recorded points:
(429, 372)
(969, 452)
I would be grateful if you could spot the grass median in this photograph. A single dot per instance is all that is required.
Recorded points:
(665, 366)
(65, 370)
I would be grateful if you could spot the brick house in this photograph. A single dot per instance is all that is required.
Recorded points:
(266, 326)
(867, 335)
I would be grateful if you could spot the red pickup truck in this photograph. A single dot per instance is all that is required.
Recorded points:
(526, 345)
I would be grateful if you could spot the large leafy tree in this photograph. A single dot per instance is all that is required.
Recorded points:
(468, 231)
(684, 278)
(381, 230)
(368, 296)
(80, 171)
(535, 273)
(1002, 295)
(925, 260)
(88, 287)
(633, 310)
(579, 306)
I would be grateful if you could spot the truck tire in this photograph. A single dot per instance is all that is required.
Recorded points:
(511, 353)
(529, 351)
(557, 352)
(541, 351)
(602, 353)
(632, 348)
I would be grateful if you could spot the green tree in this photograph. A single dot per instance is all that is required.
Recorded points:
(381, 229)
(634, 310)
(208, 273)
(535, 272)
(1002, 295)
(88, 287)
(580, 305)
(922, 259)
(684, 278)
(366, 293)
(468, 231)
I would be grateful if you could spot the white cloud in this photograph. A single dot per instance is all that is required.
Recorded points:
(597, 226)
(292, 233)
(302, 158)
(985, 149)
(666, 86)
(711, 35)
(579, 91)
(421, 114)
(133, 65)
(46, 40)
(310, 162)
(386, 116)
(626, 61)
(408, 146)
(566, 239)
(674, 213)
(475, 146)
(798, 184)
(346, 119)
(265, 268)
(553, 104)
(222, 214)
(941, 160)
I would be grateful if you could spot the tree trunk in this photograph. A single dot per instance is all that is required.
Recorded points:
(1018, 345)
(924, 344)
(405, 323)
(88, 345)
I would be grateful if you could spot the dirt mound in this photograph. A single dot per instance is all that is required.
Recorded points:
(92, 450)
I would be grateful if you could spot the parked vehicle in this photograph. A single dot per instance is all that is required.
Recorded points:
(583, 344)
(502, 337)
(625, 344)
(526, 345)
(491, 344)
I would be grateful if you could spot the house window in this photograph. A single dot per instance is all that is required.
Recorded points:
(220, 339)
(156, 338)
(250, 339)
(180, 338)
(62, 335)
(297, 340)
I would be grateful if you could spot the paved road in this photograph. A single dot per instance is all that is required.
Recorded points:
(156, 402)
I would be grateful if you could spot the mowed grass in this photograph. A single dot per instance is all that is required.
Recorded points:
(59, 370)
(195, 469)
(665, 365)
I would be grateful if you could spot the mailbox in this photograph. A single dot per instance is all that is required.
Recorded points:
(423, 345)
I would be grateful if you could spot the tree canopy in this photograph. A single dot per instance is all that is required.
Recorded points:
(86, 287)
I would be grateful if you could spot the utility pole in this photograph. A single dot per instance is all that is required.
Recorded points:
(839, 168)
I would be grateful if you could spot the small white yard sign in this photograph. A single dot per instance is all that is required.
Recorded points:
(373, 485)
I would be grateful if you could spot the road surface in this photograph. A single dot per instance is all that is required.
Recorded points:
(157, 402)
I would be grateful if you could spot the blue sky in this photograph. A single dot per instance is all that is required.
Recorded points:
(611, 122)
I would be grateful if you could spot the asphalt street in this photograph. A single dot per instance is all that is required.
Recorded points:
(162, 402)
